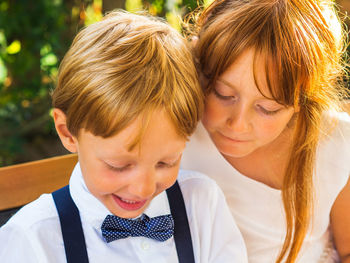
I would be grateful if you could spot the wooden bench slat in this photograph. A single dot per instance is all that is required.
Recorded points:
(23, 183)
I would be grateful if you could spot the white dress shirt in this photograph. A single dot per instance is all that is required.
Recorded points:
(33, 234)
(258, 209)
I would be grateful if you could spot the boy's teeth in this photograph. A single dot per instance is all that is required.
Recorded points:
(128, 201)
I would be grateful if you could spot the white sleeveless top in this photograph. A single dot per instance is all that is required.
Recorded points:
(258, 208)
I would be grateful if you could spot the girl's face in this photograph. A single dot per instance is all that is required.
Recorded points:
(238, 118)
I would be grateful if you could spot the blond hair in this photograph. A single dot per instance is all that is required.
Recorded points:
(302, 44)
(125, 66)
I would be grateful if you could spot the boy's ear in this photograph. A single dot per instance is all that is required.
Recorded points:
(68, 140)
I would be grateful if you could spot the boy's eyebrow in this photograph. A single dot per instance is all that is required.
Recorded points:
(173, 157)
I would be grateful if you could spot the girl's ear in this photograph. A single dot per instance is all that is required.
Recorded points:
(68, 140)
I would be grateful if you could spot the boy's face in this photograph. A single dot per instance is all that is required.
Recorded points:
(126, 181)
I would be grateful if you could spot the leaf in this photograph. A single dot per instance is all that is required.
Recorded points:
(14, 48)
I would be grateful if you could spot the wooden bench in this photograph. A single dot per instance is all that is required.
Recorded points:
(23, 183)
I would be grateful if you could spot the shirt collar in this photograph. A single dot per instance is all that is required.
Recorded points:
(94, 212)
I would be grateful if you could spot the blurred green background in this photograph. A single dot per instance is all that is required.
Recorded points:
(34, 36)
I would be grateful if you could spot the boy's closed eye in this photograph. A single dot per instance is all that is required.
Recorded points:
(169, 164)
(160, 164)
(122, 168)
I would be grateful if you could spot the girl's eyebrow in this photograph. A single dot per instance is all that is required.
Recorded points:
(227, 83)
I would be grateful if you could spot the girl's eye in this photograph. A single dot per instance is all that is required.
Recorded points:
(222, 97)
(268, 112)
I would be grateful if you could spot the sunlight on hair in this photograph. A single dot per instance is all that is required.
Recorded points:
(127, 78)
(334, 26)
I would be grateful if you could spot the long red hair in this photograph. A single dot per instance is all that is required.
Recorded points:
(303, 45)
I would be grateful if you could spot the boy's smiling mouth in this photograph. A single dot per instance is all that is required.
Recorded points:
(129, 204)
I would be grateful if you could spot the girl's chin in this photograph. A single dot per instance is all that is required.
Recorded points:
(235, 153)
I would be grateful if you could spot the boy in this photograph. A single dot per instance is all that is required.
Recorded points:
(126, 100)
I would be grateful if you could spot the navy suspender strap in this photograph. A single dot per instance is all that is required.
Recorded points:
(73, 235)
(182, 233)
(72, 231)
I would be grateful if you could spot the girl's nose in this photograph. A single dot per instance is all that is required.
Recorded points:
(238, 120)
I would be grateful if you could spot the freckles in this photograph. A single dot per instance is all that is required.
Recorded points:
(274, 128)
(212, 110)
(271, 127)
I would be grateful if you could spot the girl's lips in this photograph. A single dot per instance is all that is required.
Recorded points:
(128, 205)
(231, 139)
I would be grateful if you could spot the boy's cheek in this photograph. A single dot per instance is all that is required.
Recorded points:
(169, 180)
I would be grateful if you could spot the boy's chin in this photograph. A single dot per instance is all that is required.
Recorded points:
(127, 214)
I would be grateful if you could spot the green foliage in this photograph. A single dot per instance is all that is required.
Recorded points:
(33, 38)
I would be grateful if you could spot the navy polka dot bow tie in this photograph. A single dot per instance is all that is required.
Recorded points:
(159, 228)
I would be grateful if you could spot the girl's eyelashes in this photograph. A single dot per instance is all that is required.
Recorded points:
(267, 112)
(220, 91)
(222, 97)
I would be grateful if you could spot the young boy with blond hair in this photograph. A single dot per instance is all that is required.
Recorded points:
(127, 99)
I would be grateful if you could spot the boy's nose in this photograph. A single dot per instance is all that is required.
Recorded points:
(144, 185)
